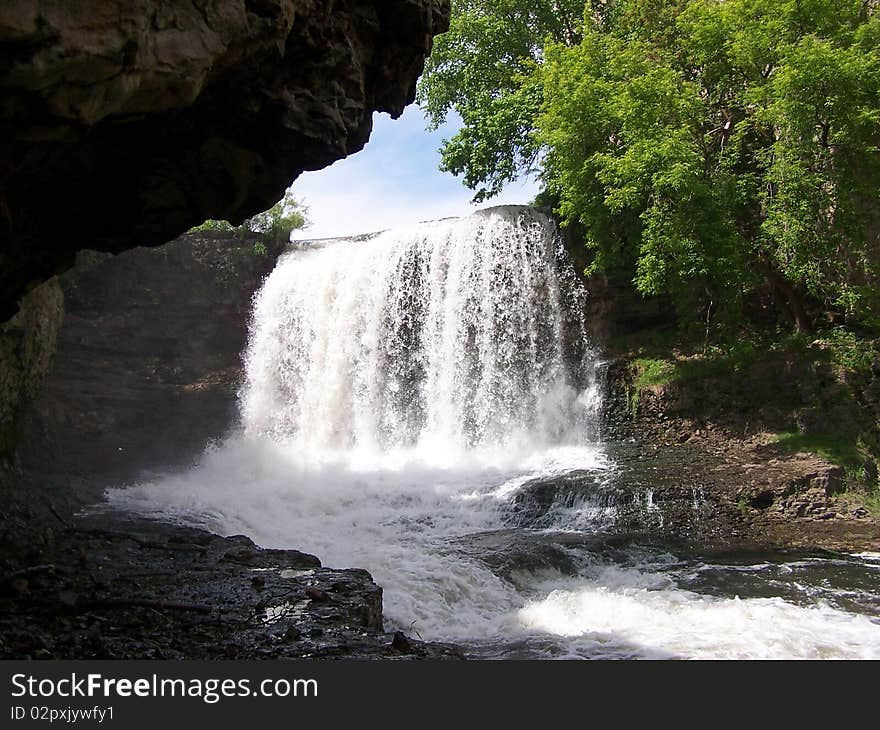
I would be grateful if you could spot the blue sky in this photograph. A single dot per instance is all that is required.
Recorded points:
(394, 180)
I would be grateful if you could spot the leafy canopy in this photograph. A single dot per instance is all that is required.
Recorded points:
(704, 146)
(484, 69)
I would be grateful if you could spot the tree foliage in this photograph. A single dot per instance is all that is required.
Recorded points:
(275, 224)
(705, 146)
(484, 69)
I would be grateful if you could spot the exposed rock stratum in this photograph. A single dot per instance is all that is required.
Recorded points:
(126, 122)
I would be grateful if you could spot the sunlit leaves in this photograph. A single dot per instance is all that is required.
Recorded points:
(726, 133)
(483, 69)
(699, 143)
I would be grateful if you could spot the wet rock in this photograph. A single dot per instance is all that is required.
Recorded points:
(761, 500)
(27, 346)
(150, 589)
(20, 587)
(68, 600)
(401, 643)
(316, 594)
(239, 555)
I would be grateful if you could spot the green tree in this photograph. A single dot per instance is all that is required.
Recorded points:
(483, 69)
(212, 224)
(705, 146)
(275, 224)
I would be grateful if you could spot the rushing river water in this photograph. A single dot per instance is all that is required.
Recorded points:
(424, 404)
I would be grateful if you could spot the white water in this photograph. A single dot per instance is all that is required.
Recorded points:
(642, 613)
(448, 338)
(400, 394)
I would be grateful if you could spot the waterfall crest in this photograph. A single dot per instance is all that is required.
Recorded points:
(450, 335)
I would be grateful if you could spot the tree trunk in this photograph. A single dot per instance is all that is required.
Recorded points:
(786, 294)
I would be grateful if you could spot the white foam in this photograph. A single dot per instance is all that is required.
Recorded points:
(399, 523)
(626, 612)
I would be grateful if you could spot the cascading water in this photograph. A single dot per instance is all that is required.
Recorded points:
(423, 404)
(448, 338)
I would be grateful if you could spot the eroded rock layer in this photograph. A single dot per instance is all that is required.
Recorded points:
(124, 123)
(148, 361)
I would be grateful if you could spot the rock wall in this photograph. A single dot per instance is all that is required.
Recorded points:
(778, 392)
(27, 344)
(148, 359)
(614, 309)
(125, 122)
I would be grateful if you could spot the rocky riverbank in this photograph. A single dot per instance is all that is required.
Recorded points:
(750, 445)
(111, 586)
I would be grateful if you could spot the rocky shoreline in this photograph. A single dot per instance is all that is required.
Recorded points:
(97, 583)
(682, 441)
(107, 585)
(104, 584)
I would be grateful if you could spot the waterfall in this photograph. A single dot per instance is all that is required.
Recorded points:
(422, 403)
(448, 336)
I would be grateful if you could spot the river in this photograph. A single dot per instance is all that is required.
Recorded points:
(425, 404)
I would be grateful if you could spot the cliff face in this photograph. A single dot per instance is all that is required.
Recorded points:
(27, 344)
(148, 360)
(124, 123)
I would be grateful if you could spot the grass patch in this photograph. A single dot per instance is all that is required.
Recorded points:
(865, 496)
(658, 371)
(837, 449)
(871, 501)
(650, 371)
(658, 362)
